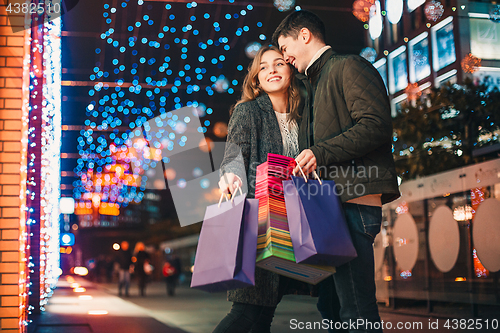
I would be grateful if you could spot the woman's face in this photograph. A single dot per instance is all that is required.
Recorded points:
(274, 74)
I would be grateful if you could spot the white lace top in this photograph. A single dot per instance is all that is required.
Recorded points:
(290, 135)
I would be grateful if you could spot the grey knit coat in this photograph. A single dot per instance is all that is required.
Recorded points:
(253, 132)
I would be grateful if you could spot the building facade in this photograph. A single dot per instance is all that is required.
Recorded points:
(437, 242)
(428, 41)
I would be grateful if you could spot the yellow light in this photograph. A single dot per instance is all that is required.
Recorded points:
(79, 290)
(75, 285)
(388, 278)
(98, 312)
(109, 209)
(192, 269)
(82, 271)
(85, 297)
(96, 200)
(70, 279)
(59, 271)
(459, 279)
(116, 246)
(206, 145)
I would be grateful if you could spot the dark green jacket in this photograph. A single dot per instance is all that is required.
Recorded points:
(347, 124)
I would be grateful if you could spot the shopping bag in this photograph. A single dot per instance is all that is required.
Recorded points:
(275, 250)
(318, 229)
(225, 256)
(274, 237)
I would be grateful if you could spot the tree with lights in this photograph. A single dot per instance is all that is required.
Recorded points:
(440, 130)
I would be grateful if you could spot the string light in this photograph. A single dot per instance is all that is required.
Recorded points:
(433, 10)
(40, 168)
(284, 5)
(470, 63)
(120, 106)
(413, 91)
(361, 9)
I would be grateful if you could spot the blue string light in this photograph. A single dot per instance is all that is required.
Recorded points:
(154, 83)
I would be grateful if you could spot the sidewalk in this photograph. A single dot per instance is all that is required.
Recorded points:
(194, 311)
(94, 310)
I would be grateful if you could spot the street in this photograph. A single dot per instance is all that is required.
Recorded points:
(99, 309)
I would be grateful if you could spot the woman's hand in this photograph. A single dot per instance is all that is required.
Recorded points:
(229, 182)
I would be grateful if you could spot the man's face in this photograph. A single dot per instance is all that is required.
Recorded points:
(294, 52)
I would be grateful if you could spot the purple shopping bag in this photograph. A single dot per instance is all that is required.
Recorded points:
(318, 229)
(225, 256)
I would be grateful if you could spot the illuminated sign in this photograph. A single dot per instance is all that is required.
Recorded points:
(109, 209)
(67, 205)
(484, 39)
(394, 10)
(67, 239)
(375, 23)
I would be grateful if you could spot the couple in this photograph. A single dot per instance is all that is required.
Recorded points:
(336, 116)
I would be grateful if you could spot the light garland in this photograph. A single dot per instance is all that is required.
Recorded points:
(41, 144)
(24, 307)
(470, 63)
(361, 9)
(133, 92)
(51, 153)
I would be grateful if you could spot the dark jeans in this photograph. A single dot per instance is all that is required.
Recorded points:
(245, 318)
(350, 295)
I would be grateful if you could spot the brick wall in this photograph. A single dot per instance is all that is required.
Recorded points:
(11, 72)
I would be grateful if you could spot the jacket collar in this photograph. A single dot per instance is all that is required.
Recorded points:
(265, 102)
(315, 68)
(316, 56)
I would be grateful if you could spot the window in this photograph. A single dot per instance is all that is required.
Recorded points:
(420, 66)
(443, 44)
(381, 66)
(398, 73)
(484, 37)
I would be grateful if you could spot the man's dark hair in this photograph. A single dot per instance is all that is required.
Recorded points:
(294, 22)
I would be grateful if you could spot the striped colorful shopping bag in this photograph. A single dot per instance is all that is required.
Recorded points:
(274, 244)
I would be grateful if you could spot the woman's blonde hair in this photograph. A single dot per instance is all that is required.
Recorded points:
(251, 88)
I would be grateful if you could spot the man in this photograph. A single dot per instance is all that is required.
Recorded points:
(124, 260)
(345, 133)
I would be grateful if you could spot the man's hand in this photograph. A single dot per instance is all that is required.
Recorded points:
(306, 160)
(229, 182)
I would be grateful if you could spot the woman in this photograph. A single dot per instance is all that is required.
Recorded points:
(263, 121)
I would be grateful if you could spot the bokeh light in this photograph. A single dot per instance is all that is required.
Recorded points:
(252, 48)
(284, 5)
(145, 70)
